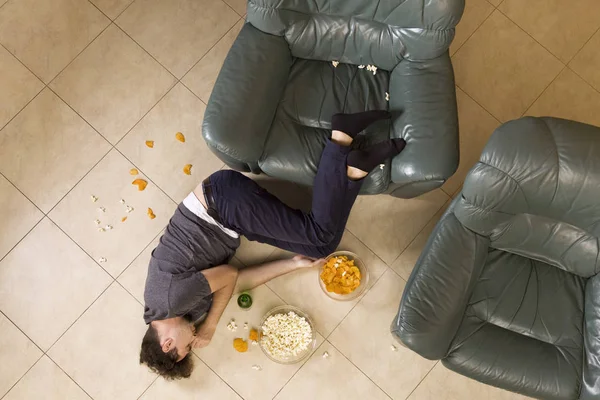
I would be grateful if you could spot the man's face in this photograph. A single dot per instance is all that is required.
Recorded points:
(182, 336)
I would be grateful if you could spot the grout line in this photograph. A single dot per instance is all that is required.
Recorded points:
(235, 12)
(20, 240)
(69, 376)
(26, 104)
(421, 381)
(22, 376)
(23, 64)
(218, 376)
(585, 44)
(476, 29)
(149, 386)
(479, 104)
(543, 91)
(583, 79)
(23, 332)
(97, 8)
(125, 9)
(195, 95)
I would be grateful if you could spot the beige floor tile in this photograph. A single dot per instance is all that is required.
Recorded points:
(475, 126)
(47, 35)
(177, 32)
(113, 83)
(443, 384)
(18, 216)
(203, 384)
(333, 378)
(2, 2)
(134, 277)
(239, 6)
(406, 261)
(387, 224)
(476, 11)
(569, 97)
(101, 350)
(302, 289)
(178, 111)
(112, 8)
(561, 26)
(587, 62)
(495, 3)
(253, 253)
(235, 368)
(46, 381)
(503, 68)
(17, 354)
(18, 85)
(46, 272)
(202, 76)
(371, 318)
(110, 182)
(47, 148)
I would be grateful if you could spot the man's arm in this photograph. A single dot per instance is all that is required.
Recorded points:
(222, 282)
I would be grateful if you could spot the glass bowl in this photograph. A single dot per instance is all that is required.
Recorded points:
(300, 356)
(364, 275)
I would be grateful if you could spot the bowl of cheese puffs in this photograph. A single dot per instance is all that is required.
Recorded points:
(343, 276)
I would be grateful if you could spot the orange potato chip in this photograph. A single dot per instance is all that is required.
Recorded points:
(151, 213)
(133, 171)
(340, 275)
(240, 345)
(123, 219)
(187, 169)
(253, 335)
(150, 143)
(141, 184)
(179, 136)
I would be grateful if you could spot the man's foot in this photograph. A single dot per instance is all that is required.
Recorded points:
(367, 159)
(353, 124)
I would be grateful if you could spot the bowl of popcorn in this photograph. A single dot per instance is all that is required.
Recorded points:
(287, 335)
(343, 276)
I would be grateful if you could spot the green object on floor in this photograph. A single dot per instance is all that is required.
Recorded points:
(244, 301)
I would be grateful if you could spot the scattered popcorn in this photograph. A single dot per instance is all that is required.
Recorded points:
(394, 348)
(187, 169)
(232, 326)
(286, 335)
(123, 219)
(245, 325)
(344, 273)
(129, 209)
(179, 136)
(140, 183)
(94, 198)
(372, 68)
(326, 355)
(101, 209)
(150, 213)
(108, 227)
(150, 143)
(335, 64)
(133, 171)
(254, 343)
(100, 229)
(257, 367)
(381, 166)
(387, 96)
(102, 260)
(361, 66)
(122, 201)
(97, 222)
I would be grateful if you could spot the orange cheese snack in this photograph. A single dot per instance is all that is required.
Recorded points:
(340, 275)
(253, 335)
(240, 345)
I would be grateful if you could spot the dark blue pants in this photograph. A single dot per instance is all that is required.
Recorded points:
(255, 213)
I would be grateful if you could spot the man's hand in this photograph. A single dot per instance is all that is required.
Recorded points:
(204, 335)
(307, 262)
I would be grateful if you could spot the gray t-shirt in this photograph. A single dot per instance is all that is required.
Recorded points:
(175, 287)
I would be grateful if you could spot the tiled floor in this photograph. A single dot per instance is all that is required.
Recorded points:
(83, 83)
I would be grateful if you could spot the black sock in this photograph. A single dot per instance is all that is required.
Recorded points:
(369, 158)
(353, 124)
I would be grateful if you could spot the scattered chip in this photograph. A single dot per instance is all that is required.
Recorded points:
(129, 209)
(381, 166)
(141, 184)
(151, 213)
(253, 335)
(101, 209)
(150, 143)
(123, 219)
(340, 275)
(94, 198)
(133, 171)
(361, 66)
(179, 136)
(387, 96)
(335, 63)
(257, 367)
(240, 345)
(102, 260)
(372, 68)
(187, 169)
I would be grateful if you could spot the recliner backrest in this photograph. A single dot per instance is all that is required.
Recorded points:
(357, 32)
(536, 192)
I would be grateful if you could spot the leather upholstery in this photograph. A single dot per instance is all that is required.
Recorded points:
(507, 289)
(271, 106)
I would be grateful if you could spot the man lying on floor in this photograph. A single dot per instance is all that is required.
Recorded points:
(189, 281)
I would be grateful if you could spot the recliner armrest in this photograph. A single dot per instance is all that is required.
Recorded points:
(424, 94)
(437, 292)
(243, 102)
(590, 388)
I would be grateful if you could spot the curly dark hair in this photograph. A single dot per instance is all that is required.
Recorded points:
(164, 364)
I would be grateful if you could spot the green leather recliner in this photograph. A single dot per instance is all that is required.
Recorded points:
(507, 289)
(271, 105)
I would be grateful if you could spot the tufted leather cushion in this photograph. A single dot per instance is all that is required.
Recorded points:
(507, 288)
